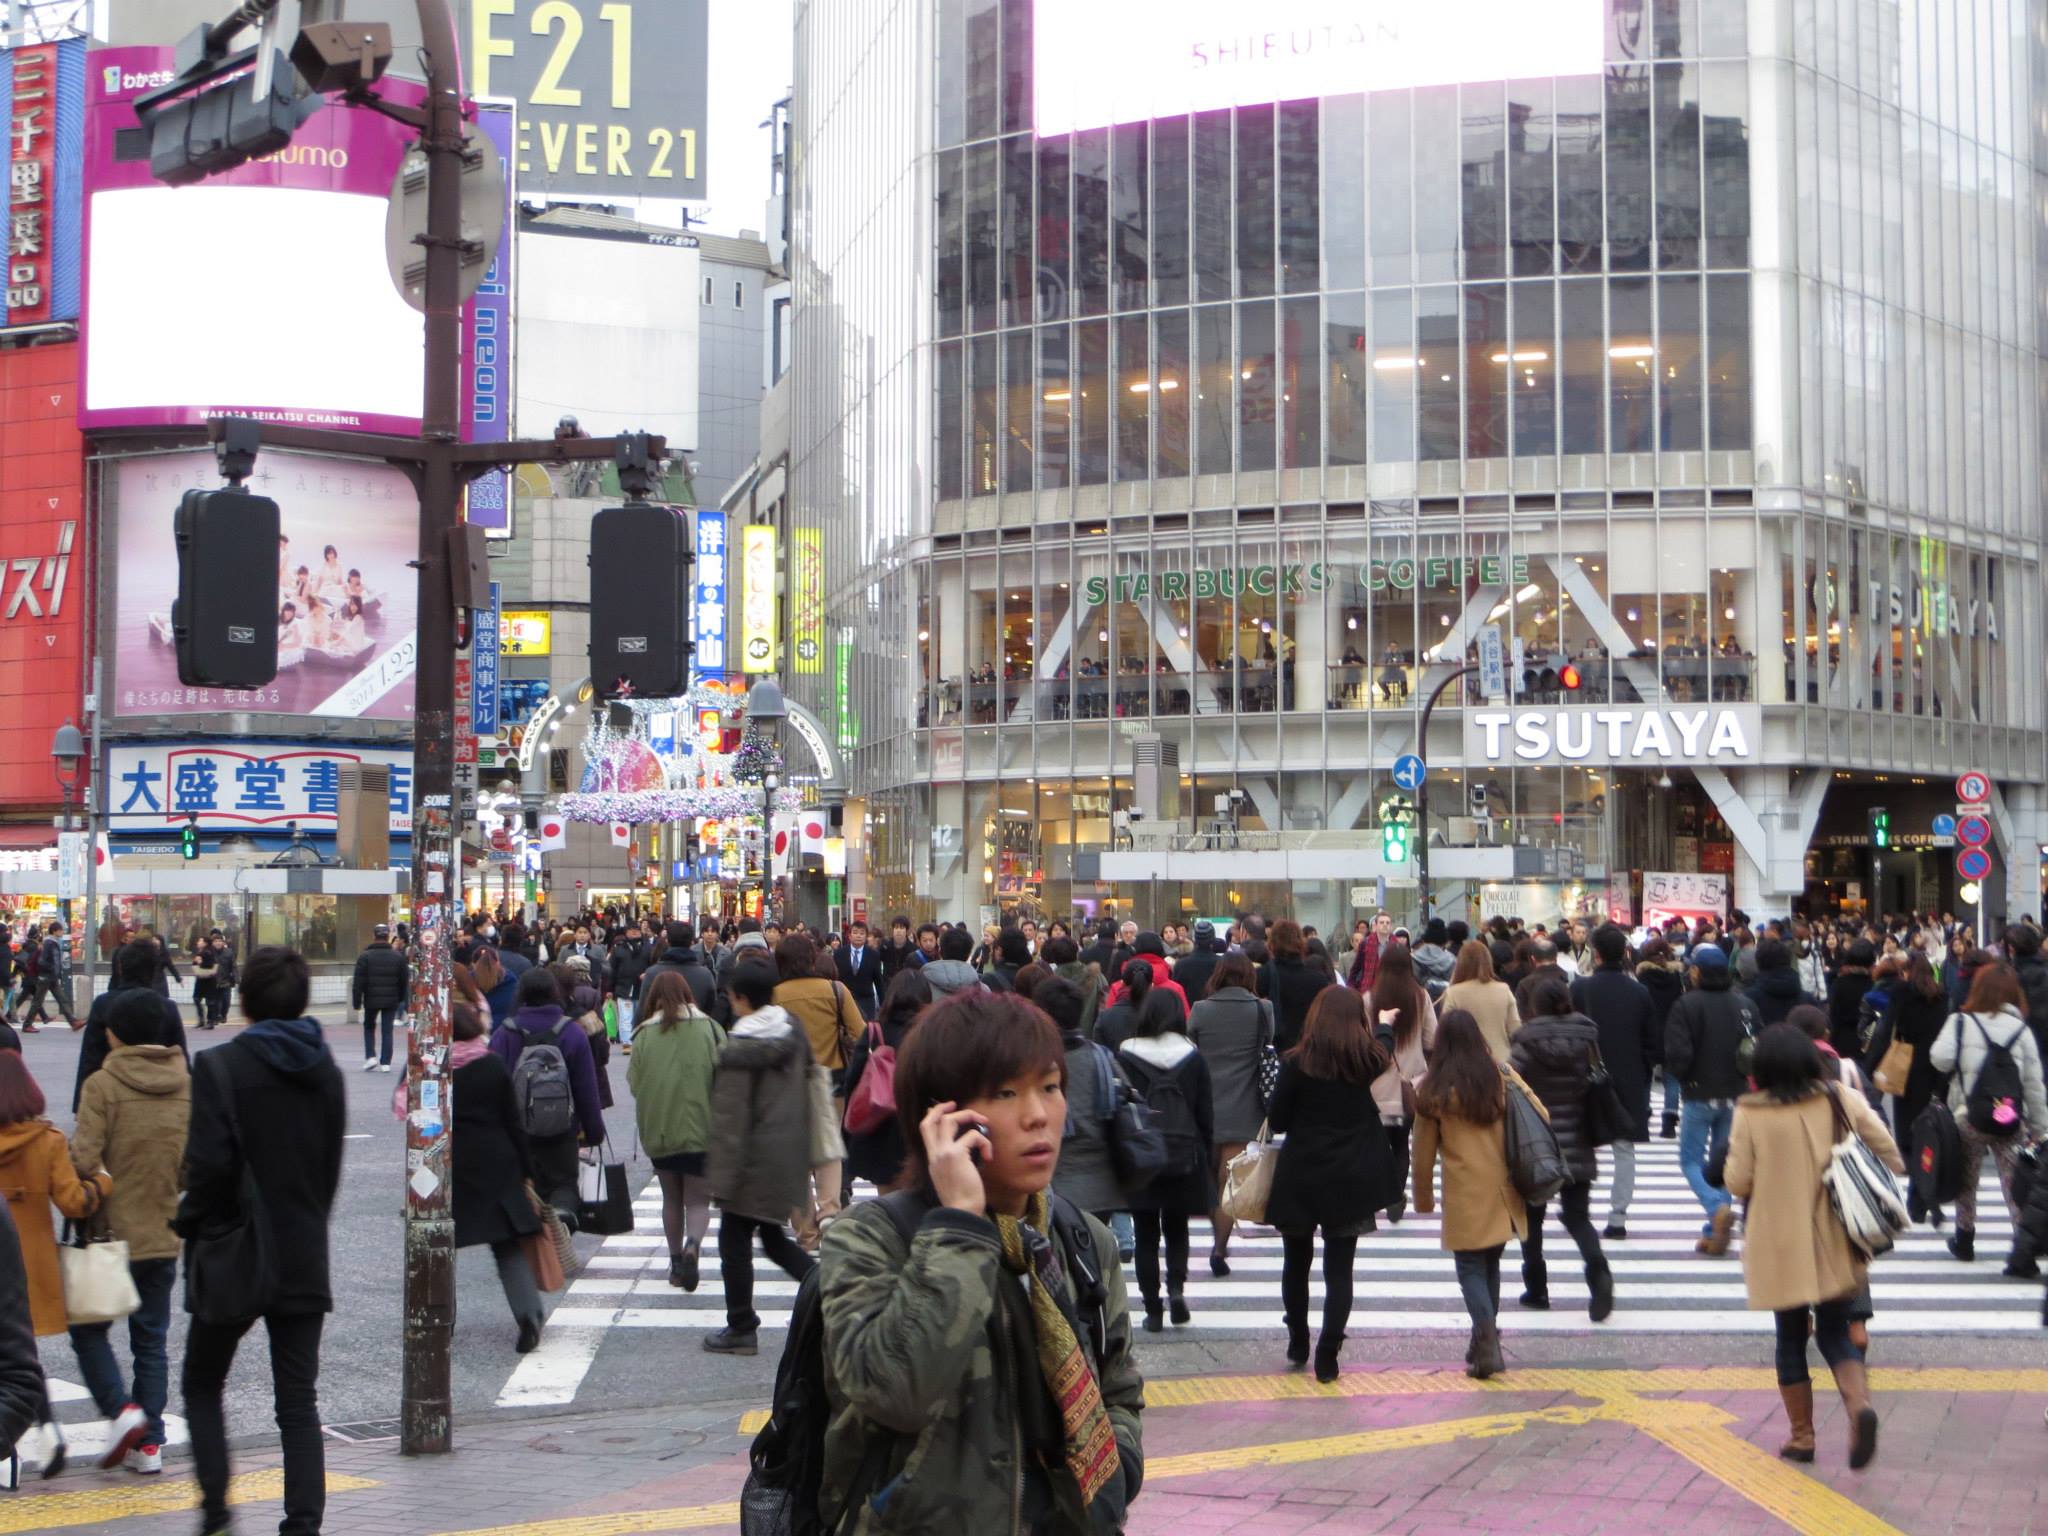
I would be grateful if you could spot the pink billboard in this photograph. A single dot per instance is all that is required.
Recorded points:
(347, 603)
(1097, 64)
(260, 292)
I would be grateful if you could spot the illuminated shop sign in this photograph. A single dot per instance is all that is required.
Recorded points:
(1721, 734)
(757, 598)
(1403, 574)
(1097, 64)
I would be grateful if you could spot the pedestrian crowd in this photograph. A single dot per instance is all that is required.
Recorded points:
(1038, 1108)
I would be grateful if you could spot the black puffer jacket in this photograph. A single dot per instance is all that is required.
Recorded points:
(2032, 971)
(1701, 1038)
(1776, 993)
(382, 977)
(1555, 1058)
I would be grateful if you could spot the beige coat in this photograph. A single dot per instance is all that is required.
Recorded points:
(1481, 1206)
(132, 1116)
(36, 1173)
(1794, 1251)
(824, 1011)
(1492, 1003)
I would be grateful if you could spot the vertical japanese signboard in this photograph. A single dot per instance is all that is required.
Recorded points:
(44, 89)
(483, 683)
(487, 336)
(708, 621)
(757, 598)
(807, 620)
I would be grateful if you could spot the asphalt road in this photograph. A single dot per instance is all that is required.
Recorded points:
(360, 1356)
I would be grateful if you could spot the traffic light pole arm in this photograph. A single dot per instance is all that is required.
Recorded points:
(411, 453)
(1422, 793)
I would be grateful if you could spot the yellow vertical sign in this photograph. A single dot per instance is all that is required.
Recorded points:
(757, 598)
(807, 619)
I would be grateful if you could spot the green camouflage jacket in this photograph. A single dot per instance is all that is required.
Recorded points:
(923, 1370)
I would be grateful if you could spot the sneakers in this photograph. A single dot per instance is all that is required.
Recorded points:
(128, 1430)
(385, 1068)
(370, 1064)
(146, 1459)
(728, 1342)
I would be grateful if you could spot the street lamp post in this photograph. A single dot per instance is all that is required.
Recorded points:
(1422, 789)
(766, 710)
(67, 751)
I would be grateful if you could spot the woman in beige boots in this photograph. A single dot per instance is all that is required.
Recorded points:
(1797, 1260)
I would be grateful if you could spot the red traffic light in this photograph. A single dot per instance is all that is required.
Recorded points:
(1568, 678)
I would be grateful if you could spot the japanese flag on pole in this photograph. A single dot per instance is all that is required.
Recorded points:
(553, 832)
(782, 839)
(811, 827)
(622, 834)
(103, 852)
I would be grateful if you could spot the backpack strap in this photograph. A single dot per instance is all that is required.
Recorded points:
(1077, 1248)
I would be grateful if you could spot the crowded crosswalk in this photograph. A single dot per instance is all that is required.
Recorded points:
(1404, 1285)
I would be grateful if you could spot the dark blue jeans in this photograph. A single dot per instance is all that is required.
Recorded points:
(295, 1379)
(149, 1327)
(373, 1019)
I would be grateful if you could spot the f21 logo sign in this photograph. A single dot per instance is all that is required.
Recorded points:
(611, 93)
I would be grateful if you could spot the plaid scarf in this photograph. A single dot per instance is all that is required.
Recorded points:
(1091, 1445)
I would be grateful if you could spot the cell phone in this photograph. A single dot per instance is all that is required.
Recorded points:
(974, 1126)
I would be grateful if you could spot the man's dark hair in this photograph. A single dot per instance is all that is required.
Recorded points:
(753, 981)
(1458, 933)
(1550, 998)
(1106, 930)
(955, 944)
(137, 962)
(1611, 945)
(964, 1047)
(539, 989)
(1863, 953)
(925, 928)
(750, 925)
(1061, 1001)
(2023, 939)
(276, 984)
(859, 922)
(1060, 951)
(1773, 955)
(681, 935)
(135, 1016)
(1014, 947)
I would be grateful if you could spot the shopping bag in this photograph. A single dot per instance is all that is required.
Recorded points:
(98, 1285)
(1248, 1179)
(541, 1259)
(604, 1203)
(556, 1233)
(1893, 1070)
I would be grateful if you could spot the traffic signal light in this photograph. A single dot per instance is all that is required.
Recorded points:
(1880, 827)
(197, 128)
(1394, 832)
(188, 838)
(1569, 677)
(224, 622)
(640, 559)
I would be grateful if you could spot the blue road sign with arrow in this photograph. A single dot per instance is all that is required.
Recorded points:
(1409, 772)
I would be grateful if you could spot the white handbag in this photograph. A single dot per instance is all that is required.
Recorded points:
(98, 1286)
(1248, 1179)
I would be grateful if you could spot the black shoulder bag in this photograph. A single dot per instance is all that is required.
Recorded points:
(231, 1261)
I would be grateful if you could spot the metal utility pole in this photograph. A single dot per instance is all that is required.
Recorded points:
(1422, 789)
(440, 465)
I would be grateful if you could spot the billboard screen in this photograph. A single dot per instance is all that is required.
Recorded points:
(43, 565)
(1097, 64)
(347, 597)
(261, 292)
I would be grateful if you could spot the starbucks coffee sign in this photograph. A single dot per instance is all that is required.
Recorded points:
(1403, 573)
(1726, 736)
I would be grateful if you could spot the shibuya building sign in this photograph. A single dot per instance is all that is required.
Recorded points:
(1721, 735)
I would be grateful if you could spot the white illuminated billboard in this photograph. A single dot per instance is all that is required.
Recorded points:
(1099, 63)
(270, 300)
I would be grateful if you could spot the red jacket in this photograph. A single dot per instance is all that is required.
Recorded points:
(1365, 964)
(1162, 978)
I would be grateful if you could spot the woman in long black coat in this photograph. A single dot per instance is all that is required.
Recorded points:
(1916, 1014)
(492, 1165)
(1336, 1168)
(1159, 1051)
(1553, 1051)
(877, 1155)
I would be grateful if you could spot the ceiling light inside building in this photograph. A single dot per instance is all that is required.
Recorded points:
(1630, 353)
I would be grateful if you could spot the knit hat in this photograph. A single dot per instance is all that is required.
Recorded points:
(1710, 957)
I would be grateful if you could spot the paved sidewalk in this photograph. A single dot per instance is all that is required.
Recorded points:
(1397, 1449)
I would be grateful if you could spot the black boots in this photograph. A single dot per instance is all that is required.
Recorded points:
(1536, 1285)
(1155, 1317)
(1297, 1345)
(1326, 1358)
(1600, 1281)
(1670, 1130)
(1486, 1358)
(1963, 1244)
(1177, 1308)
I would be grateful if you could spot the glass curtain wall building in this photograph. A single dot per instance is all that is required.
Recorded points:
(1217, 427)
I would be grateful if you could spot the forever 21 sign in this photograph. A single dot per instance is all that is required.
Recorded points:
(611, 93)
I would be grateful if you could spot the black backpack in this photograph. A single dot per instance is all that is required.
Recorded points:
(1996, 1106)
(1173, 1115)
(1934, 1157)
(788, 1455)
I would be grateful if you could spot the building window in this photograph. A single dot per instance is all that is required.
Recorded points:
(707, 289)
(739, 295)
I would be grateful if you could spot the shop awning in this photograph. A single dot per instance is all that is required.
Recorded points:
(28, 835)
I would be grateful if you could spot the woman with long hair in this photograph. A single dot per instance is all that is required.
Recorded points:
(1797, 1261)
(1458, 1114)
(1403, 1021)
(1169, 1074)
(1336, 1167)
(1233, 1028)
(36, 1173)
(670, 1075)
(1295, 982)
(1119, 1021)
(1994, 1014)
(1915, 1013)
(877, 1155)
(1479, 989)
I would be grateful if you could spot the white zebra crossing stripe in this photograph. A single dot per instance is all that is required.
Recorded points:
(1403, 1284)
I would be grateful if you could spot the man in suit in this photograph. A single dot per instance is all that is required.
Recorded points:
(860, 968)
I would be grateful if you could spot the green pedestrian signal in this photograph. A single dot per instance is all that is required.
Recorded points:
(188, 839)
(1880, 827)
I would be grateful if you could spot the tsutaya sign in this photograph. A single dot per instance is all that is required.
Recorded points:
(1725, 735)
